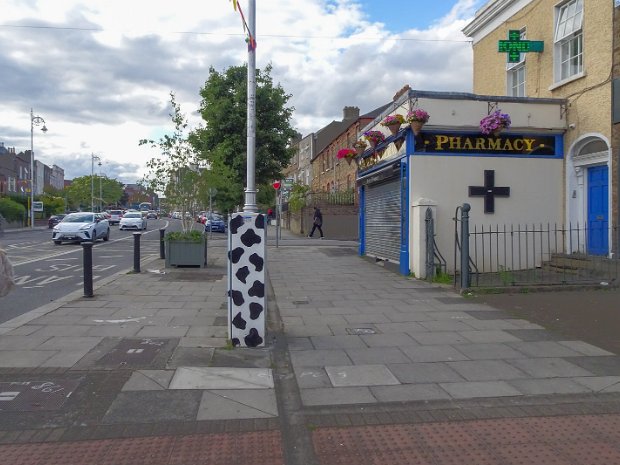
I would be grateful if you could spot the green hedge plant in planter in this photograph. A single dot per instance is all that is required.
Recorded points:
(187, 248)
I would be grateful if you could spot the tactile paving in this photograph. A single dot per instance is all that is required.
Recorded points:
(560, 440)
(257, 448)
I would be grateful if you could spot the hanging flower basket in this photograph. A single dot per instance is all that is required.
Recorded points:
(417, 119)
(348, 154)
(374, 137)
(393, 123)
(495, 123)
(360, 146)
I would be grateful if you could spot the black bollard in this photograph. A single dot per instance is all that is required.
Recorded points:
(136, 252)
(87, 248)
(162, 245)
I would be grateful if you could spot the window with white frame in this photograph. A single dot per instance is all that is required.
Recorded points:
(568, 40)
(515, 73)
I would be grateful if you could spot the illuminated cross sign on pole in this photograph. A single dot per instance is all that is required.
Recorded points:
(514, 46)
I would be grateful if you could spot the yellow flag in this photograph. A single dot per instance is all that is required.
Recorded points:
(234, 2)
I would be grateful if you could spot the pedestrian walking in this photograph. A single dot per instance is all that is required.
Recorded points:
(317, 222)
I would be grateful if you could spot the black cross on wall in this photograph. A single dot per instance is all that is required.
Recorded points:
(489, 191)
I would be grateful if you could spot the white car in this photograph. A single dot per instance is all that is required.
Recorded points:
(79, 227)
(132, 220)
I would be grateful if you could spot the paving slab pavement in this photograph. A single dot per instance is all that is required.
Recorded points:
(349, 342)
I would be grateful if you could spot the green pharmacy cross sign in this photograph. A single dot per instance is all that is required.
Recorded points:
(514, 46)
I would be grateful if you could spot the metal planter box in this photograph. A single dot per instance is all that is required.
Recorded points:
(186, 253)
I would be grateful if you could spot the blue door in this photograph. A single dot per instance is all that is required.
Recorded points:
(598, 204)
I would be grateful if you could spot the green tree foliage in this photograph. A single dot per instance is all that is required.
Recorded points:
(78, 194)
(223, 140)
(175, 173)
(11, 210)
(297, 197)
(52, 204)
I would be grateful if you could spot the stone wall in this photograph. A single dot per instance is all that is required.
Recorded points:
(339, 221)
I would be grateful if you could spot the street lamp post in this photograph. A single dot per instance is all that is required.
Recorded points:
(93, 157)
(100, 190)
(34, 120)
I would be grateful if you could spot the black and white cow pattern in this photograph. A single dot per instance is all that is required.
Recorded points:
(246, 289)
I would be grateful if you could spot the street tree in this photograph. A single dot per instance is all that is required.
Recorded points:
(176, 172)
(222, 142)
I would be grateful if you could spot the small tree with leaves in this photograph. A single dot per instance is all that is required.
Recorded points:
(176, 172)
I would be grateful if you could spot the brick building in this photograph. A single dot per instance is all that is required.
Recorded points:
(576, 61)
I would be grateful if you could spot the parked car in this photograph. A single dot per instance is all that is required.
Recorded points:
(54, 220)
(215, 223)
(115, 216)
(201, 217)
(176, 215)
(152, 215)
(132, 220)
(79, 227)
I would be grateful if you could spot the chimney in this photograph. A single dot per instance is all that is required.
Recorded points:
(406, 88)
(349, 113)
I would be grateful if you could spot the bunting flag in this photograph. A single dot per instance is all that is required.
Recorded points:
(250, 38)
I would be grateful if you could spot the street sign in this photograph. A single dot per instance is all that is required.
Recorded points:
(288, 182)
(37, 206)
(276, 185)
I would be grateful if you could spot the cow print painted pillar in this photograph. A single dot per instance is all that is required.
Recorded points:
(246, 279)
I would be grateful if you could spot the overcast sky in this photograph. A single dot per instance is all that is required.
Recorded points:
(100, 71)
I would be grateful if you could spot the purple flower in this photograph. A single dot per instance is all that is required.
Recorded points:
(496, 121)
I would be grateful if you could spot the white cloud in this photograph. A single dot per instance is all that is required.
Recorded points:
(102, 80)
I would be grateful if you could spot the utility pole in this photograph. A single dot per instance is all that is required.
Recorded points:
(100, 190)
(250, 190)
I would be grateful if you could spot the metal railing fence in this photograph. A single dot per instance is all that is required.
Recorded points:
(543, 254)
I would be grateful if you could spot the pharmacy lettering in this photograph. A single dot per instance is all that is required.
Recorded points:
(508, 144)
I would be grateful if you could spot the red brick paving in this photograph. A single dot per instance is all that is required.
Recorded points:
(562, 440)
(256, 448)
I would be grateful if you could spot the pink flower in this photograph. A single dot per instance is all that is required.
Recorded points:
(418, 115)
(346, 153)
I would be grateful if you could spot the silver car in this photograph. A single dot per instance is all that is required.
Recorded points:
(79, 227)
(132, 220)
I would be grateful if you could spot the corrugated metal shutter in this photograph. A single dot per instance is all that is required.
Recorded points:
(382, 221)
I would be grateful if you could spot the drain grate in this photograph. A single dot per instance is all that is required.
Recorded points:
(36, 395)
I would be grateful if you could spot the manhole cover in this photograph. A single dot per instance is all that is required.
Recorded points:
(36, 395)
(360, 331)
(133, 353)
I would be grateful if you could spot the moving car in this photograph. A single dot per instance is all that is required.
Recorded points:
(79, 227)
(215, 223)
(115, 216)
(152, 215)
(54, 220)
(176, 215)
(132, 220)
